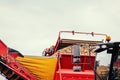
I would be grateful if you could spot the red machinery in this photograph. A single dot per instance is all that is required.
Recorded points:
(75, 66)
(12, 69)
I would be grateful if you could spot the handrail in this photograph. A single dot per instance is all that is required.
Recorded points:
(73, 32)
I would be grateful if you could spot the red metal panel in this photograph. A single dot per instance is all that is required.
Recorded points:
(65, 68)
(14, 54)
(66, 62)
(68, 74)
(3, 49)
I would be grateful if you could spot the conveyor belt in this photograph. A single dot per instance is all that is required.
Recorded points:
(42, 67)
(9, 73)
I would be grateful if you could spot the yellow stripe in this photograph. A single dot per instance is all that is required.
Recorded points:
(42, 67)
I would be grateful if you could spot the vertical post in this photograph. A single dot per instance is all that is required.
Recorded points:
(59, 65)
(113, 60)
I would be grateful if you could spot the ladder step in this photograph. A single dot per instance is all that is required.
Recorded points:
(6, 71)
(13, 77)
(10, 74)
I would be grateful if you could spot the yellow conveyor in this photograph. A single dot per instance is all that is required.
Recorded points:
(42, 67)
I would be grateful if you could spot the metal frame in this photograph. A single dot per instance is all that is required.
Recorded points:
(73, 33)
(9, 66)
(112, 48)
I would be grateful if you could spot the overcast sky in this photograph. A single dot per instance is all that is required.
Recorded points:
(32, 25)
